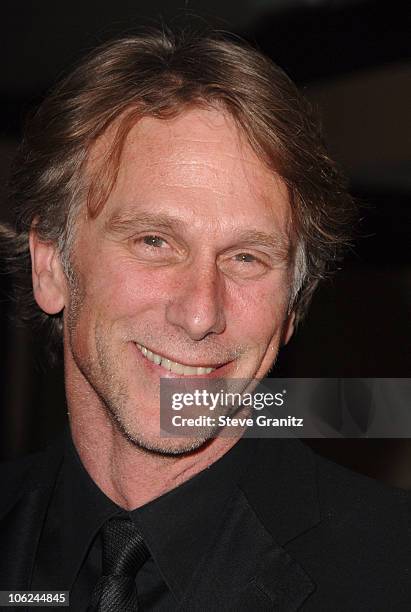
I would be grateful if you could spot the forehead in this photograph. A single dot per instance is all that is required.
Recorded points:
(198, 164)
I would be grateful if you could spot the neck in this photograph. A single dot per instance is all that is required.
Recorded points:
(130, 475)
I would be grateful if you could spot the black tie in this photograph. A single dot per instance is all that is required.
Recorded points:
(124, 553)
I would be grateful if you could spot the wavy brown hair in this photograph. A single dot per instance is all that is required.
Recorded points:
(160, 74)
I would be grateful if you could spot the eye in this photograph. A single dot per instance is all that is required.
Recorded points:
(246, 258)
(154, 249)
(244, 265)
(154, 241)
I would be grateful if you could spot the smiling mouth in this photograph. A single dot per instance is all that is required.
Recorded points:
(173, 366)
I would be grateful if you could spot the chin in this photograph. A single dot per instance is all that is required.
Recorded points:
(153, 443)
(169, 447)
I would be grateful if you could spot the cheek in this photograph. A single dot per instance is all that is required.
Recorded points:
(123, 289)
(258, 310)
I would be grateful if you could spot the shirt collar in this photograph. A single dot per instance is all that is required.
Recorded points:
(85, 510)
(177, 527)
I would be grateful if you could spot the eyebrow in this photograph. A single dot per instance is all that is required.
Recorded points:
(126, 224)
(123, 223)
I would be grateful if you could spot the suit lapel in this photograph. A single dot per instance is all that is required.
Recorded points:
(282, 488)
(20, 531)
(245, 569)
(248, 566)
(21, 519)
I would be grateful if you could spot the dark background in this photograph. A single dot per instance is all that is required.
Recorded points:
(353, 60)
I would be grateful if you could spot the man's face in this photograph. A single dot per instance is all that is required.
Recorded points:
(186, 271)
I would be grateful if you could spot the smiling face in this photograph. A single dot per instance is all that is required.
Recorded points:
(186, 271)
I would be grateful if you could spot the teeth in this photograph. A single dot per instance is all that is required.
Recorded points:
(166, 363)
(173, 366)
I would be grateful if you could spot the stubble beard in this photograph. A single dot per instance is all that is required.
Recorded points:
(124, 411)
(101, 375)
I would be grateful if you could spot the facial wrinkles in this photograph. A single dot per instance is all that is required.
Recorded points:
(151, 334)
(200, 175)
(179, 347)
(122, 406)
(211, 349)
(232, 155)
(216, 188)
(184, 182)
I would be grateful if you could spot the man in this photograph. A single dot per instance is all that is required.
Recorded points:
(179, 210)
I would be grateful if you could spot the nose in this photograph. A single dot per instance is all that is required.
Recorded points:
(197, 305)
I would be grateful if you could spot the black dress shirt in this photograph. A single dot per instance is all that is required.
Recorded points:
(177, 527)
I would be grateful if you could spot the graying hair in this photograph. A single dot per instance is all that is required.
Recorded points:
(160, 74)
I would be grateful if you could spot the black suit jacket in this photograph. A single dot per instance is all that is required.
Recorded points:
(300, 533)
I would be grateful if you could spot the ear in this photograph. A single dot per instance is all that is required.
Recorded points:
(49, 281)
(288, 328)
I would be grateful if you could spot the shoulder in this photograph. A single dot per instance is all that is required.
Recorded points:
(296, 461)
(341, 487)
(15, 470)
(350, 533)
(30, 472)
(289, 483)
(362, 542)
